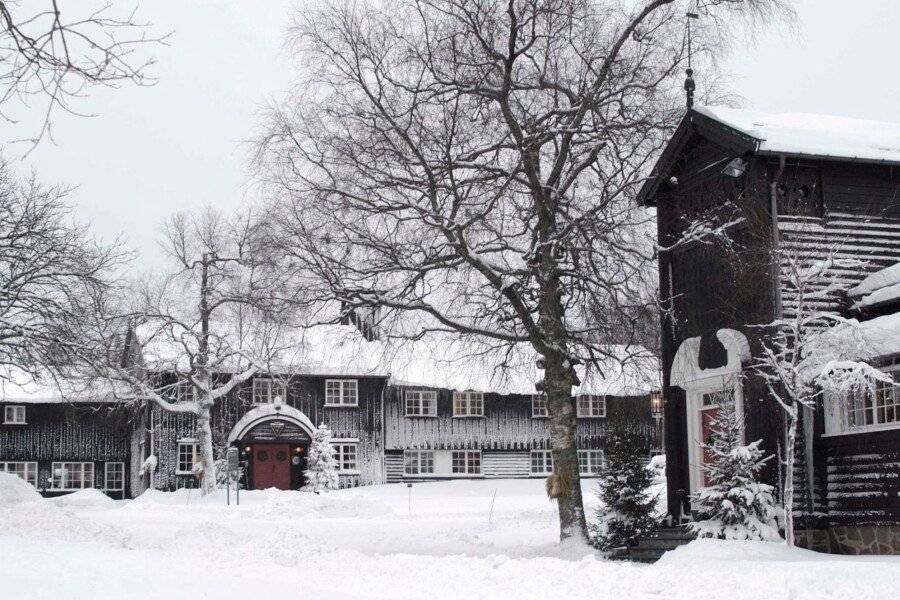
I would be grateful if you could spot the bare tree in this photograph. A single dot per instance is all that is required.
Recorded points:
(811, 351)
(468, 166)
(52, 271)
(56, 56)
(202, 329)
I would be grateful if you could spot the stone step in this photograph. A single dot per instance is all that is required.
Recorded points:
(659, 544)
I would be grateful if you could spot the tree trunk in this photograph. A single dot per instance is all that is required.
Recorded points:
(205, 450)
(789, 449)
(565, 483)
(204, 431)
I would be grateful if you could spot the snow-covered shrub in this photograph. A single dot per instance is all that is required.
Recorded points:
(321, 466)
(657, 467)
(736, 506)
(148, 467)
(627, 511)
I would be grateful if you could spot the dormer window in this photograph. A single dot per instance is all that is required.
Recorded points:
(539, 409)
(421, 403)
(341, 392)
(268, 391)
(184, 391)
(468, 404)
(591, 406)
(14, 414)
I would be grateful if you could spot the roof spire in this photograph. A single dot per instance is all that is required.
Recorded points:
(689, 84)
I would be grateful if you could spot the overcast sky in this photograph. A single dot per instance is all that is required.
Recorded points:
(180, 144)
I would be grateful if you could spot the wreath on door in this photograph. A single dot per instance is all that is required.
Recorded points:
(281, 456)
(262, 455)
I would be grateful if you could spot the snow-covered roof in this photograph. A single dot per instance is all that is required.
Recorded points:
(811, 134)
(439, 361)
(19, 387)
(878, 288)
(467, 365)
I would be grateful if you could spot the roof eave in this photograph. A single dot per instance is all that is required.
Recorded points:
(693, 123)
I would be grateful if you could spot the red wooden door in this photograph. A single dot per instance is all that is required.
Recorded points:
(271, 466)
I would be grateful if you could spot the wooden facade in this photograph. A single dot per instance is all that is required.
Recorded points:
(377, 427)
(852, 478)
(57, 433)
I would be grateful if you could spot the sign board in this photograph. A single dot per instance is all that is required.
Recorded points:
(232, 457)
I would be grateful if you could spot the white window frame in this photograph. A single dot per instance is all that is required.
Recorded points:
(540, 408)
(185, 391)
(11, 414)
(343, 396)
(64, 484)
(837, 415)
(422, 460)
(418, 398)
(272, 389)
(466, 403)
(471, 462)
(341, 453)
(178, 464)
(26, 469)
(592, 460)
(106, 470)
(590, 411)
(544, 458)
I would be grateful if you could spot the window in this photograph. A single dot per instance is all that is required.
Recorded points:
(541, 462)
(345, 454)
(340, 392)
(466, 462)
(418, 462)
(267, 391)
(864, 410)
(590, 462)
(114, 476)
(187, 457)
(591, 406)
(421, 403)
(184, 392)
(14, 414)
(468, 404)
(539, 406)
(72, 475)
(25, 470)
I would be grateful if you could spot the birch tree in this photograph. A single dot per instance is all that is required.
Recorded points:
(467, 166)
(202, 329)
(811, 352)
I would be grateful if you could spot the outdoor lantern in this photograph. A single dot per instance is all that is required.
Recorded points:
(247, 450)
(656, 402)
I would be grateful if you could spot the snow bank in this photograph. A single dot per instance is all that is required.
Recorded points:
(89, 498)
(15, 490)
(493, 539)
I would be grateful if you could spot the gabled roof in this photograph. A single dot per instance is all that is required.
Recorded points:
(792, 134)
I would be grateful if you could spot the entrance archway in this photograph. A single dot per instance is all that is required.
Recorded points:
(274, 439)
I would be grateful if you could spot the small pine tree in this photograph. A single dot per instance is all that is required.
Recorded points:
(736, 506)
(628, 509)
(321, 467)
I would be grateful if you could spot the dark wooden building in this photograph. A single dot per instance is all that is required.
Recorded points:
(64, 446)
(397, 413)
(813, 185)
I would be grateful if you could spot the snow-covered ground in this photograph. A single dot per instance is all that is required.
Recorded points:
(441, 541)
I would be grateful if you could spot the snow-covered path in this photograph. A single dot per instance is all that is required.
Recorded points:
(366, 543)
